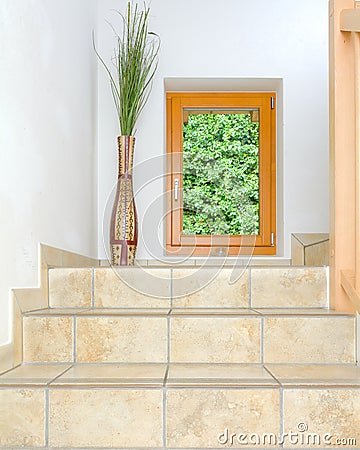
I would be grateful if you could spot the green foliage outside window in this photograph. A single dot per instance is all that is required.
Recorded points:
(221, 174)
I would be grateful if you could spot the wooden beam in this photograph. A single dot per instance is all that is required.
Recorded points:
(348, 284)
(342, 154)
(350, 20)
(356, 37)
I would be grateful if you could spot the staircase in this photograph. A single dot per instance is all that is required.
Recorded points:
(184, 358)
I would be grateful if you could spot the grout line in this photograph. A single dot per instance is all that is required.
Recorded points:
(166, 375)
(60, 374)
(47, 415)
(9, 370)
(272, 375)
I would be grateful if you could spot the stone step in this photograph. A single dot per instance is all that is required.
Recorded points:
(211, 287)
(189, 335)
(182, 406)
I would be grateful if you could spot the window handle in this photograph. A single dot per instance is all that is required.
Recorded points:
(176, 189)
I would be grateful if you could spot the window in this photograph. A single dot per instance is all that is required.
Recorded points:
(221, 174)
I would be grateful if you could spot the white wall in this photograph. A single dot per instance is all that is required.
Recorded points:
(47, 136)
(232, 39)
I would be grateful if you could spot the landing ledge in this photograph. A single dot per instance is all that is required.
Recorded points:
(185, 312)
(180, 375)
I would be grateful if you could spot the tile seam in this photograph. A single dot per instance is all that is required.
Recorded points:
(9, 370)
(60, 375)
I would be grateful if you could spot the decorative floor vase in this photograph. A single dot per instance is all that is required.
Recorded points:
(123, 229)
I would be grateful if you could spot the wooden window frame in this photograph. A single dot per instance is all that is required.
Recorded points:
(201, 245)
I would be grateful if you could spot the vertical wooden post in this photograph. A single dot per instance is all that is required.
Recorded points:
(342, 154)
(356, 38)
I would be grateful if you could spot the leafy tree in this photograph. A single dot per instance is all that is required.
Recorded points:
(221, 174)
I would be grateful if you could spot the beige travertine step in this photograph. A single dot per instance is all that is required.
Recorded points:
(170, 406)
(210, 287)
(172, 358)
(189, 335)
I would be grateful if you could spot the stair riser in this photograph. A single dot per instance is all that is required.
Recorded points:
(244, 339)
(173, 418)
(205, 287)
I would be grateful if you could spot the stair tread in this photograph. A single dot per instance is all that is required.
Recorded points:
(99, 312)
(312, 375)
(149, 375)
(300, 312)
(190, 311)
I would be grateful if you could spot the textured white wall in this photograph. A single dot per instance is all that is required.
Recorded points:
(47, 136)
(231, 39)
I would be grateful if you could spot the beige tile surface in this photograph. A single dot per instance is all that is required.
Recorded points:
(48, 339)
(309, 340)
(196, 418)
(333, 412)
(173, 262)
(105, 418)
(58, 257)
(294, 287)
(113, 375)
(55, 312)
(218, 375)
(317, 375)
(70, 288)
(307, 239)
(121, 339)
(31, 298)
(209, 287)
(213, 312)
(297, 252)
(6, 357)
(33, 374)
(215, 340)
(323, 312)
(126, 312)
(17, 331)
(22, 417)
(318, 254)
(132, 288)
